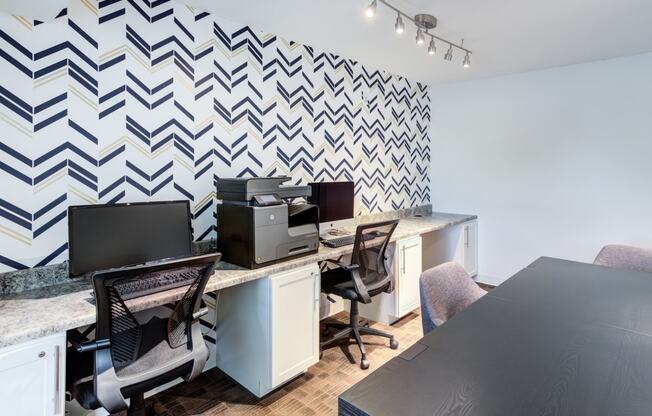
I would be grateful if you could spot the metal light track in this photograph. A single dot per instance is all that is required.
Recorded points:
(411, 19)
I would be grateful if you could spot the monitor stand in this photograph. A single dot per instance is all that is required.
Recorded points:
(335, 229)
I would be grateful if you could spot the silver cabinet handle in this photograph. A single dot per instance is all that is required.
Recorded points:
(403, 250)
(466, 236)
(315, 287)
(57, 383)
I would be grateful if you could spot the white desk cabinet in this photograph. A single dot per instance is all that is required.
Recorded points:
(407, 272)
(389, 307)
(457, 243)
(268, 329)
(32, 377)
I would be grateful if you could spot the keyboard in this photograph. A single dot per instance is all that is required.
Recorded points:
(347, 240)
(155, 282)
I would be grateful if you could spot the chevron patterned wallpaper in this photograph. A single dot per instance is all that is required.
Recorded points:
(135, 100)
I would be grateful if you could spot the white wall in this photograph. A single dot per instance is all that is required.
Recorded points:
(555, 162)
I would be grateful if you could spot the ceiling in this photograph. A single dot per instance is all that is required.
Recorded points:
(506, 36)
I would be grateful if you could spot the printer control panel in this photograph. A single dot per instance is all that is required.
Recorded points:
(267, 200)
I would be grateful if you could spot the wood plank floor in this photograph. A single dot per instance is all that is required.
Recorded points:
(314, 393)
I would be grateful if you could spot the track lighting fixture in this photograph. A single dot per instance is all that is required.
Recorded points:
(432, 49)
(371, 9)
(425, 24)
(449, 53)
(467, 61)
(420, 38)
(399, 26)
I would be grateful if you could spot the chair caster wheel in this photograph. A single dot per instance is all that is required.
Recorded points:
(364, 364)
(393, 343)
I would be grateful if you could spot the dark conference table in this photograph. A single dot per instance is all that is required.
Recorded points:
(557, 338)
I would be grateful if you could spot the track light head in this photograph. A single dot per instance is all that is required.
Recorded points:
(399, 26)
(449, 53)
(371, 9)
(432, 49)
(421, 39)
(467, 61)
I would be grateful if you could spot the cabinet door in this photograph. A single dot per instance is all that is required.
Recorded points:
(31, 378)
(470, 248)
(409, 270)
(295, 322)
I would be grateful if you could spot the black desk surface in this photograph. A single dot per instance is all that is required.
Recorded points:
(558, 338)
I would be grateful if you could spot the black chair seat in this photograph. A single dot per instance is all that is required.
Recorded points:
(338, 282)
(152, 352)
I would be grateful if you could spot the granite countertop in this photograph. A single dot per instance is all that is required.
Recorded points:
(48, 310)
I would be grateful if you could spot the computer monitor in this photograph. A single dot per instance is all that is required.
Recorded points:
(106, 236)
(335, 202)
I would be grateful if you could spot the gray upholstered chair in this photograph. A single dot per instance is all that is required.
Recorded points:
(625, 257)
(445, 290)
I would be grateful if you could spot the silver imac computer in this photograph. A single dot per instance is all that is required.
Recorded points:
(335, 202)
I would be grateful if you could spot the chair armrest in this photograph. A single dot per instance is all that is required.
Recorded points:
(359, 286)
(199, 313)
(95, 345)
(76, 337)
(342, 265)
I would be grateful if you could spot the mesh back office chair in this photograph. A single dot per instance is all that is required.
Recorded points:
(369, 274)
(625, 257)
(137, 351)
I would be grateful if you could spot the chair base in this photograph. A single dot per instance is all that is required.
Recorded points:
(356, 329)
(137, 406)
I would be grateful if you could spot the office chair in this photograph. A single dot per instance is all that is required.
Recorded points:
(368, 275)
(137, 351)
(445, 290)
(625, 257)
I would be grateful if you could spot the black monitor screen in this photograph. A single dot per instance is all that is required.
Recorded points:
(335, 200)
(106, 236)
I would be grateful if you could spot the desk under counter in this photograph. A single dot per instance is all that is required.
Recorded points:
(46, 313)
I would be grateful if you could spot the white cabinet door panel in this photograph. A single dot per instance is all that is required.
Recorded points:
(409, 270)
(268, 329)
(470, 248)
(295, 322)
(31, 378)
